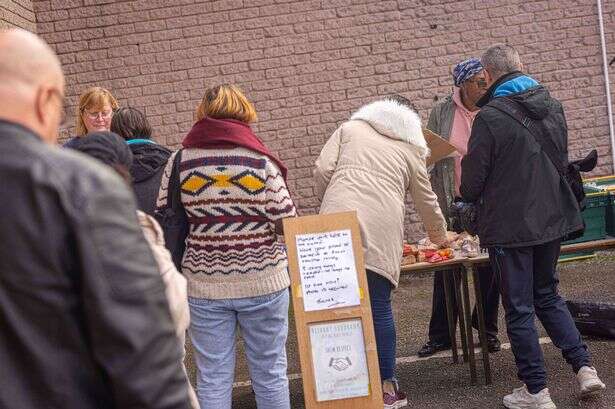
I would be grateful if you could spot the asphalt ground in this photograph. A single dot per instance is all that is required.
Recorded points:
(437, 382)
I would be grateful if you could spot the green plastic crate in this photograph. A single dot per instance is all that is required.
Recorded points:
(602, 183)
(595, 216)
(605, 184)
(610, 216)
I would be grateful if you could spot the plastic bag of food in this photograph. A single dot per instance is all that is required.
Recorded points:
(410, 249)
(468, 246)
(408, 259)
(426, 244)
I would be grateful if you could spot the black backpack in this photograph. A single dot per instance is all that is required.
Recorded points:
(593, 318)
(173, 218)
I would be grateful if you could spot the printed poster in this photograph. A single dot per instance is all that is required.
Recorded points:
(339, 360)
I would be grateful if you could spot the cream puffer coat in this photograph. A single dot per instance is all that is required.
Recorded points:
(176, 285)
(369, 165)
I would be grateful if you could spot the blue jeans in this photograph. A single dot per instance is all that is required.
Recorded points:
(528, 280)
(263, 322)
(384, 326)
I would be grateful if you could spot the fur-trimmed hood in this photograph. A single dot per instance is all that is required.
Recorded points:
(394, 120)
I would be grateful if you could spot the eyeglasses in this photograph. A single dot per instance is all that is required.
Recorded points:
(94, 115)
(480, 82)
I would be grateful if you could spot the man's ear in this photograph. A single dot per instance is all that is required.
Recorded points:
(42, 100)
(39, 105)
(43, 111)
(488, 78)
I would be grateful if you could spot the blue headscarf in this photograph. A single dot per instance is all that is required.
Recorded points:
(466, 70)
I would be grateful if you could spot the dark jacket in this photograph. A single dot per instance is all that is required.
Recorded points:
(71, 142)
(147, 168)
(524, 202)
(84, 322)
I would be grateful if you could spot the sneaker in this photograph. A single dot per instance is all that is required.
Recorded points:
(520, 398)
(589, 383)
(398, 400)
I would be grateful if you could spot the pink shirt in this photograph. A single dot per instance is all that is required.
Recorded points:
(460, 134)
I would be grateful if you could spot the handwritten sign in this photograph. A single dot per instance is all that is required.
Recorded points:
(339, 360)
(328, 271)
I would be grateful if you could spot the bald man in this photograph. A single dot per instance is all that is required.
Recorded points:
(84, 322)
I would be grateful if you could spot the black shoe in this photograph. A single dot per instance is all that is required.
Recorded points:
(431, 348)
(493, 344)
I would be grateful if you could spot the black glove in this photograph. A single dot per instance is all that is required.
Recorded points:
(463, 217)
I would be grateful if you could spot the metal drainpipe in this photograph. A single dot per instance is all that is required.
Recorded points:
(607, 86)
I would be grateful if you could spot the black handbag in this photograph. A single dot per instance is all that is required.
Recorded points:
(173, 218)
(571, 174)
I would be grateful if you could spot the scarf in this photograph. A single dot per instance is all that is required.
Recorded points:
(212, 133)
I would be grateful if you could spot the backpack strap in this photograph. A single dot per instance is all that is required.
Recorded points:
(174, 188)
(513, 109)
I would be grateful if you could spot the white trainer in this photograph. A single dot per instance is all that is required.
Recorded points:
(521, 398)
(589, 383)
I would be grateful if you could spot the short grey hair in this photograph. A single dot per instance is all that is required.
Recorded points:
(501, 59)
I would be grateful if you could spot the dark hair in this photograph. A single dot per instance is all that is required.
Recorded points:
(130, 123)
(402, 101)
(109, 148)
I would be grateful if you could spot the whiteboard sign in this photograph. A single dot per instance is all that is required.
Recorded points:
(339, 361)
(327, 269)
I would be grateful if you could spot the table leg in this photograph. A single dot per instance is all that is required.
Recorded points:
(468, 322)
(462, 325)
(482, 331)
(452, 327)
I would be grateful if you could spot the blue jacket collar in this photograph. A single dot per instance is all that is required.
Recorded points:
(136, 141)
(515, 86)
(489, 94)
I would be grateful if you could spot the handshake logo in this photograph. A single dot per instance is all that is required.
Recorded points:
(340, 364)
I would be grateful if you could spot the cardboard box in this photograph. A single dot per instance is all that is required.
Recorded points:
(440, 148)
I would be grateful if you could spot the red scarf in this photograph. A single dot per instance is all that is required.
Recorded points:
(211, 133)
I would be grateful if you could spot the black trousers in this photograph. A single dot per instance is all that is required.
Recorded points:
(489, 285)
(529, 282)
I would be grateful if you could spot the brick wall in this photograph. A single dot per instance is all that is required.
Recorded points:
(17, 13)
(308, 64)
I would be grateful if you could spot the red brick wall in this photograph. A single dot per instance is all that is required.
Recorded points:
(308, 64)
(17, 13)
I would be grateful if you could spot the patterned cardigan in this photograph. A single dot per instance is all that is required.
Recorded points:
(232, 198)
